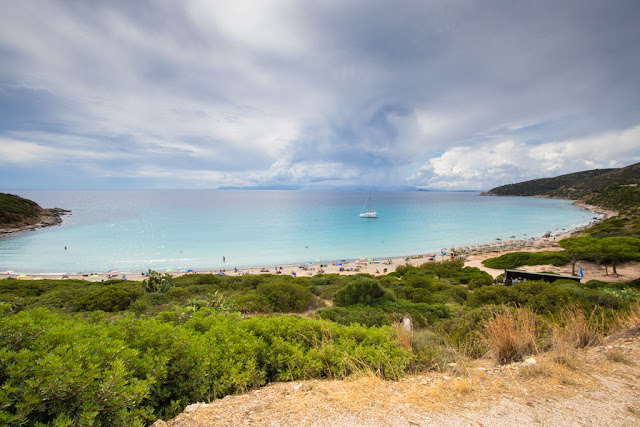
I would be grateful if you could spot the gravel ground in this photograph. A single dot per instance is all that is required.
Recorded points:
(597, 386)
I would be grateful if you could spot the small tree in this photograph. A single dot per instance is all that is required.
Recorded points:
(619, 249)
(578, 247)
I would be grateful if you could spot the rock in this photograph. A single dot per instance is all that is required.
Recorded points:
(407, 325)
(530, 361)
(195, 406)
(159, 423)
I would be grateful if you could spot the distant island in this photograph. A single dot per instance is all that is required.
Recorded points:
(615, 189)
(19, 214)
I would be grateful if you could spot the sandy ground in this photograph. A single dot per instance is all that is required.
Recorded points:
(599, 386)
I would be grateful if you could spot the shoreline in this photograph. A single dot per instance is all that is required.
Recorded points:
(50, 217)
(473, 256)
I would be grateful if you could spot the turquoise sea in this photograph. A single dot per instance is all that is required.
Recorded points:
(134, 230)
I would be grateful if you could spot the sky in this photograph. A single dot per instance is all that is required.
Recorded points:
(332, 94)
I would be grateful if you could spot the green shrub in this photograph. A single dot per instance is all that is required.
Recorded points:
(360, 291)
(178, 294)
(363, 315)
(109, 298)
(66, 372)
(432, 352)
(518, 259)
(252, 303)
(285, 296)
(462, 330)
(537, 295)
(413, 294)
(66, 297)
(326, 349)
(157, 282)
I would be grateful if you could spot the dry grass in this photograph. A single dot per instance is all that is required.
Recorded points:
(618, 355)
(555, 374)
(572, 327)
(404, 338)
(631, 320)
(563, 351)
(512, 334)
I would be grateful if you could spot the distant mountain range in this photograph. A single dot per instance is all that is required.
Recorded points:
(609, 188)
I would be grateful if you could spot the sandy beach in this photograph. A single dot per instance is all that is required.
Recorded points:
(472, 255)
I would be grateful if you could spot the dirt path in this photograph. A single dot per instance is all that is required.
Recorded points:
(598, 386)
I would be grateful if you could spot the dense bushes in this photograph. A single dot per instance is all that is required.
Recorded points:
(363, 315)
(109, 298)
(537, 295)
(283, 295)
(386, 312)
(436, 273)
(286, 297)
(518, 259)
(104, 368)
(360, 291)
(62, 370)
(131, 371)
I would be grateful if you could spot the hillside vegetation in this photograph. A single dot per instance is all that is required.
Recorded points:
(615, 189)
(14, 210)
(18, 214)
(128, 353)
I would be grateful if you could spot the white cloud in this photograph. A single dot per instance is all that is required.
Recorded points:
(33, 153)
(496, 163)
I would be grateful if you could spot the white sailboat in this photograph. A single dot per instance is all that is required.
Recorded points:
(367, 211)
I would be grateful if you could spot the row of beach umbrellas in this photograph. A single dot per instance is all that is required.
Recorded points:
(493, 245)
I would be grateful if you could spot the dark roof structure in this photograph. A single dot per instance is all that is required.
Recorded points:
(511, 275)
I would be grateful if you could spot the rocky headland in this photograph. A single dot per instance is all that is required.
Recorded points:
(19, 214)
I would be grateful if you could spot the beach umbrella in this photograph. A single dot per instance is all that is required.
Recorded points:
(113, 271)
(190, 270)
(370, 259)
(169, 270)
(339, 263)
(362, 259)
(8, 272)
(22, 276)
(94, 275)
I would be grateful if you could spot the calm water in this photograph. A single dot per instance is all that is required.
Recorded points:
(135, 230)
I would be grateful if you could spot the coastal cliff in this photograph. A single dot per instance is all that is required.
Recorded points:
(19, 214)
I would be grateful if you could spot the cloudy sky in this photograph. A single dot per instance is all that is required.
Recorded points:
(447, 94)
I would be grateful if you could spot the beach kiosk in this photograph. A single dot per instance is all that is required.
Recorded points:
(514, 276)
